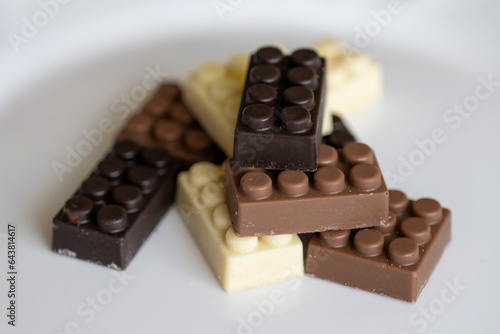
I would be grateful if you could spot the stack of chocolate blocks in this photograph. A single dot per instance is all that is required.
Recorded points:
(245, 215)
(283, 180)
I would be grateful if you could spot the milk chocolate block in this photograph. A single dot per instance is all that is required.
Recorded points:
(115, 209)
(165, 122)
(341, 136)
(395, 260)
(237, 262)
(347, 191)
(281, 111)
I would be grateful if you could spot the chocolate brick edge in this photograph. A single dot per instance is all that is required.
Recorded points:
(275, 147)
(344, 265)
(280, 214)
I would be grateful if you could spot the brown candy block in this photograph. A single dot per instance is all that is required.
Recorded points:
(281, 111)
(347, 191)
(394, 260)
(341, 136)
(113, 212)
(166, 122)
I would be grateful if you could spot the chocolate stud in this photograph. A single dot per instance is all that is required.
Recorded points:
(328, 156)
(417, 229)
(329, 180)
(261, 93)
(111, 168)
(126, 149)
(293, 183)
(369, 242)
(306, 57)
(170, 92)
(403, 252)
(130, 197)
(96, 187)
(258, 117)
(296, 119)
(389, 226)
(144, 177)
(299, 96)
(240, 244)
(303, 76)
(398, 202)
(335, 239)
(365, 177)
(269, 55)
(157, 106)
(341, 135)
(356, 153)
(256, 185)
(180, 114)
(168, 131)
(112, 218)
(277, 240)
(211, 194)
(428, 209)
(197, 140)
(140, 123)
(157, 158)
(78, 209)
(265, 74)
(221, 218)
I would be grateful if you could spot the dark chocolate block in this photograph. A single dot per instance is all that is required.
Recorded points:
(347, 191)
(394, 260)
(115, 209)
(166, 122)
(341, 136)
(281, 111)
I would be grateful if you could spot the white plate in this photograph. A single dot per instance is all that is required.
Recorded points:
(66, 78)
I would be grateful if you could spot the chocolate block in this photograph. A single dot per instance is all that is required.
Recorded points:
(341, 136)
(281, 111)
(394, 260)
(238, 263)
(166, 122)
(115, 209)
(347, 191)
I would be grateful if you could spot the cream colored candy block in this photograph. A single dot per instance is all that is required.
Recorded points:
(237, 262)
(212, 93)
(354, 80)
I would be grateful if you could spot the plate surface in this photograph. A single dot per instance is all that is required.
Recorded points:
(79, 67)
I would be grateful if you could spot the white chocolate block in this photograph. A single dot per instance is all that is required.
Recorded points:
(237, 262)
(354, 80)
(212, 93)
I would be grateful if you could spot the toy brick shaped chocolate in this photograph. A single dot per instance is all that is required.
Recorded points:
(237, 262)
(281, 111)
(394, 260)
(166, 122)
(115, 209)
(341, 136)
(354, 80)
(212, 93)
(347, 191)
